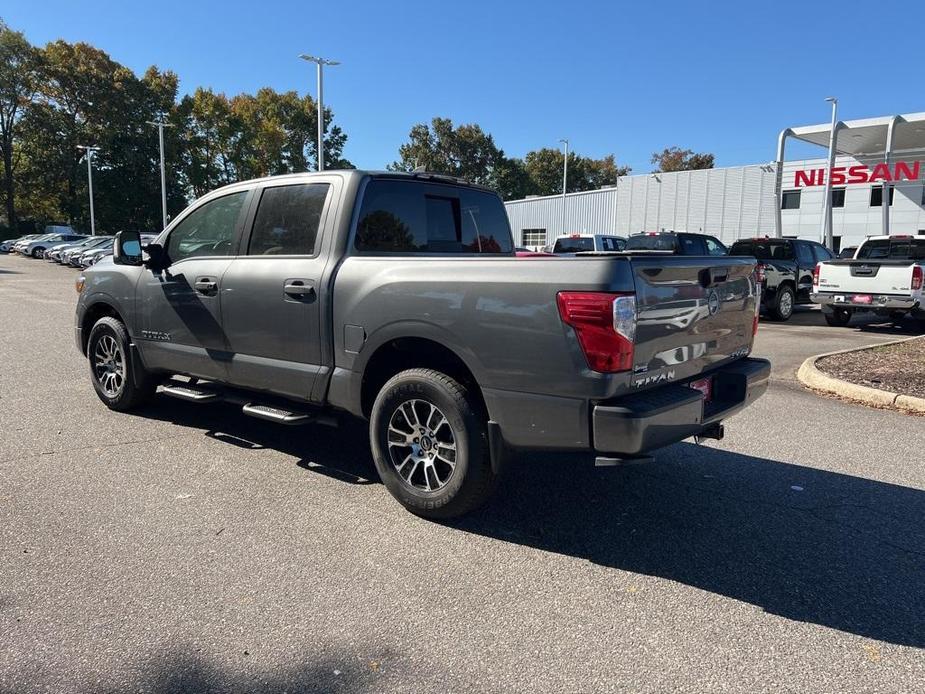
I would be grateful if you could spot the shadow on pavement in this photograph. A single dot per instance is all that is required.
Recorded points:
(806, 544)
(811, 316)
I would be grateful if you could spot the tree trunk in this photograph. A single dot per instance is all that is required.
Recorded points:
(8, 186)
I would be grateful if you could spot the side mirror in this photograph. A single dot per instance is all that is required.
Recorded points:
(127, 248)
(156, 257)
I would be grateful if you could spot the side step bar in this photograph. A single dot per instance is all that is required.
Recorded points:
(193, 392)
(190, 393)
(275, 414)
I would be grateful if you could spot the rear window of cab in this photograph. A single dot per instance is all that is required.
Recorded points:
(415, 217)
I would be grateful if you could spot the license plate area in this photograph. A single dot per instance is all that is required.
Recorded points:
(862, 299)
(705, 386)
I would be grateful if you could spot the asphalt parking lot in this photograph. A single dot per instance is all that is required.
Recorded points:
(196, 549)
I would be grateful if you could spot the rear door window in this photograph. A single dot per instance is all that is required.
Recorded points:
(805, 254)
(692, 245)
(287, 220)
(415, 217)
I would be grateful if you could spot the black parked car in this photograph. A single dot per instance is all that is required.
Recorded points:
(787, 267)
(679, 243)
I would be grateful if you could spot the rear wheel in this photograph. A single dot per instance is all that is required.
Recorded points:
(111, 367)
(838, 318)
(783, 303)
(37, 252)
(430, 444)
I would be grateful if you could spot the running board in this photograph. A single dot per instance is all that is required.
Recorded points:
(190, 393)
(275, 414)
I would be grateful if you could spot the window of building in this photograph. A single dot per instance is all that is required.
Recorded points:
(404, 217)
(790, 200)
(876, 196)
(838, 197)
(533, 237)
(287, 220)
(207, 230)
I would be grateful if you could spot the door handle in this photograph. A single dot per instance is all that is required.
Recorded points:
(206, 285)
(303, 288)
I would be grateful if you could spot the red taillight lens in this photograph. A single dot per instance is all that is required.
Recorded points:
(917, 277)
(816, 275)
(759, 272)
(755, 326)
(605, 325)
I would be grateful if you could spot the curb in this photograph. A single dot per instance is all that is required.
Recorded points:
(810, 376)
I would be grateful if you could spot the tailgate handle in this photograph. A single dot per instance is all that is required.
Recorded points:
(711, 276)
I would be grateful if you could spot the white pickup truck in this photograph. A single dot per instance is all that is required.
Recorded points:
(884, 277)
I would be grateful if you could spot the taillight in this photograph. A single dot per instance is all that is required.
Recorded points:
(816, 275)
(759, 272)
(917, 277)
(605, 325)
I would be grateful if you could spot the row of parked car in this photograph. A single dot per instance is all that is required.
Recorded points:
(785, 266)
(63, 247)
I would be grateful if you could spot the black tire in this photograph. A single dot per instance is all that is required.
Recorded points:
(107, 336)
(838, 318)
(470, 482)
(37, 252)
(783, 303)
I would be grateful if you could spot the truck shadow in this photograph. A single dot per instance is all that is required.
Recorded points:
(811, 316)
(806, 544)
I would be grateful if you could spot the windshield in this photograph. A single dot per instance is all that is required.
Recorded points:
(574, 245)
(652, 242)
(896, 248)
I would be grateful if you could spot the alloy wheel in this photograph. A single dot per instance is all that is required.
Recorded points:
(422, 445)
(109, 365)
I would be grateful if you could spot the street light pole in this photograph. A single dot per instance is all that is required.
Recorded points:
(564, 181)
(89, 152)
(827, 200)
(320, 62)
(160, 135)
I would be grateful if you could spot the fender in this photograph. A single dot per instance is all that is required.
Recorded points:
(345, 387)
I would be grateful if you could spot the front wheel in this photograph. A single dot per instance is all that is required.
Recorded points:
(37, 252)
(430, 444)
(111, 367)
(838, 318)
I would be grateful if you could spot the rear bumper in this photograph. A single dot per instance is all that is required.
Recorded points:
(640, 423)
(887, 302)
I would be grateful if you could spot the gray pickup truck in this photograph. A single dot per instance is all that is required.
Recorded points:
(398, 298)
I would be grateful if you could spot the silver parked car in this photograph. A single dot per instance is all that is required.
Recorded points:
(70, 256)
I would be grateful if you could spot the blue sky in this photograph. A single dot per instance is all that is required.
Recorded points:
(621, 78)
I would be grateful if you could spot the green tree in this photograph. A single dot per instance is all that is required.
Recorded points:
(19, 66)
(677, 159)
(465, 151)
(544, 169)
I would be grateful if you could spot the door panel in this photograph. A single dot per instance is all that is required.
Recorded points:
(272, 292)
(270, 310)
(181, 318)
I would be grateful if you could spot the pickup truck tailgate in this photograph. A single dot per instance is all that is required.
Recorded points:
(692, 313)
(866, 276)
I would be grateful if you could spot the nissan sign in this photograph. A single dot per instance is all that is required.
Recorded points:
(860, 173)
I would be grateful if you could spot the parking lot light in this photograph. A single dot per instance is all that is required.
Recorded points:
(89, 151)
(320, 63)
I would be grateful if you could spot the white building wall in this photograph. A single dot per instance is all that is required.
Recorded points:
(728, 203)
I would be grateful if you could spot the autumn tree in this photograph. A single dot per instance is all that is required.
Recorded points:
(677, 159)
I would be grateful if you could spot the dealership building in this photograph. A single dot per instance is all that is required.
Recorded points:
(877, 186)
